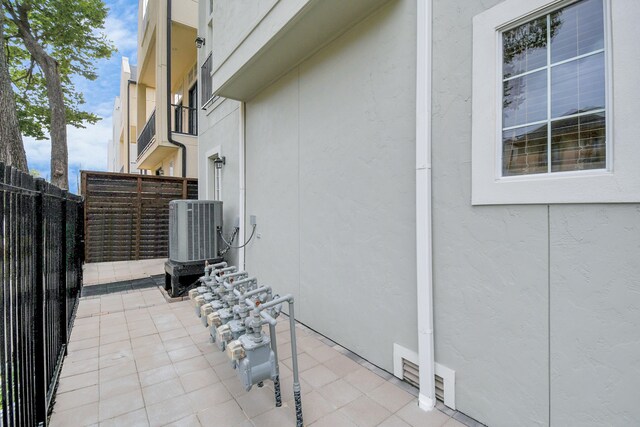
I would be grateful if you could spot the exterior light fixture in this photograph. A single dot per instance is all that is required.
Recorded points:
(219, 162)
(199, 42)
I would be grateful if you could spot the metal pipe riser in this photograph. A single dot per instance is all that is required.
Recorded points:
(220, 271)
(231, 284)
(227, 276)
(248, 294)
(287, 298)
(294, 363)
(276, 379)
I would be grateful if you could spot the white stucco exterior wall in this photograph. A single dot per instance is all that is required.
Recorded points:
(218, 136)
(535, 305)
(331, 178)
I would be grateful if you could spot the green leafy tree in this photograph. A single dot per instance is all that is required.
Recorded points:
(48, 43)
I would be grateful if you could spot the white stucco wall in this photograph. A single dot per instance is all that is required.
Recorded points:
(535, 306)
(219, 132)
(331, 178)
(236, 20)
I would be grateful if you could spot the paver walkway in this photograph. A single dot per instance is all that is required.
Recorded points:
(136, 360)
(109, 272)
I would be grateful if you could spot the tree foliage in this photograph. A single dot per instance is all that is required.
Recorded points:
(69, 32)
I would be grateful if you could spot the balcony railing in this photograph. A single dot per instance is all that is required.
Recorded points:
(147, 134)
(206, 81)
(184, 119)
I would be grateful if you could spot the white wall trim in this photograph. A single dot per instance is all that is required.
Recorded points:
(209, 192)
(449, 379)
(241, 183)
(424, 289)
(399, 353)
(620, 183)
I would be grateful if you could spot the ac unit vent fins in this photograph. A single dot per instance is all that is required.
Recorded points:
(411, 374)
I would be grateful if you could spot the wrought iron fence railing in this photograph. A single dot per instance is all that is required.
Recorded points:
(41, 235)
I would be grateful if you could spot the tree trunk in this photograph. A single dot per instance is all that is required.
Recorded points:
(58, 130)
(11, 147)
(58, 126)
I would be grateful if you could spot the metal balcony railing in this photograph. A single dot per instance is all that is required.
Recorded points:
(206, 81)
(147, 134)
(184, 119)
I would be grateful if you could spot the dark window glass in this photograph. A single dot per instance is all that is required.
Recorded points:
(578, 143)
(577, 29)
(524, 99)
(553, 92)
(578, 86)
(525, 48)
(524, 150)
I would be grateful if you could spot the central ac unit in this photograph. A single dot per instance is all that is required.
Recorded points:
(193, 226)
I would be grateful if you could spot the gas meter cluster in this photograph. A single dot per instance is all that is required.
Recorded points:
(234, 307)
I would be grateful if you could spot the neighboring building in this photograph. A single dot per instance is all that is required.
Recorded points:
(451, 183)
(167, 87)
(111, 156)
(122, 148)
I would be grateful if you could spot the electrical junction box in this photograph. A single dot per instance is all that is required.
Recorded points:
(193, 230)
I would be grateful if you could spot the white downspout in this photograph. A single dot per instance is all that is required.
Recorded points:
(241, 186)
(426, 398)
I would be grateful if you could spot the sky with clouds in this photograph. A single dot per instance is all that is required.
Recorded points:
(88, 147)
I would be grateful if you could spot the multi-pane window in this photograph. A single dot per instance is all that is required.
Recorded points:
(553, 92)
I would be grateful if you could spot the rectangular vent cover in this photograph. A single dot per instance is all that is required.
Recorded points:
(406, 368)
(411, 374)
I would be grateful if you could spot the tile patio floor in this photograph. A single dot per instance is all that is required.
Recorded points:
(136, 360)
(109, 272)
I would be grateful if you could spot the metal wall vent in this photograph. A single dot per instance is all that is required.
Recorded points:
(405, 367)
(439, 388)
(410, 373)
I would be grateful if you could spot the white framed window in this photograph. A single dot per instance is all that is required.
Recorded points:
(548, 103)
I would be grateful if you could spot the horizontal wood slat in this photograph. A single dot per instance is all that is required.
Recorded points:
(126, 216)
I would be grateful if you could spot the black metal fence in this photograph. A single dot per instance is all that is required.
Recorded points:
(41, 269)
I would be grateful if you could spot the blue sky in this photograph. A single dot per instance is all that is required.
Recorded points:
(88, 147)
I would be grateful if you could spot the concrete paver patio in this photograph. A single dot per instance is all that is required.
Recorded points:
(109, 272)
(136, 360)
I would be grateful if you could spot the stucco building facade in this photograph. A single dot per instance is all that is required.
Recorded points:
(122, 150)
(167, 88)
(371, 139)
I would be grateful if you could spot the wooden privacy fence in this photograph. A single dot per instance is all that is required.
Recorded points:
(41, 278)
(127, 216)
